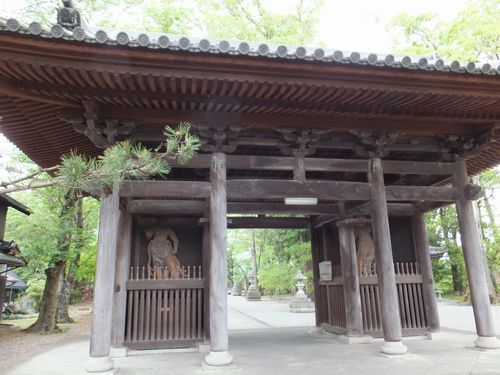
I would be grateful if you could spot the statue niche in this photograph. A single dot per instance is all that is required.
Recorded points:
(365, 249)
(162, 249)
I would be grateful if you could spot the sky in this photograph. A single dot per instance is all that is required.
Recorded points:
(351, 25)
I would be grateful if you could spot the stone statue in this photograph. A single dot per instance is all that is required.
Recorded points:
(365, 247)
(162, 247)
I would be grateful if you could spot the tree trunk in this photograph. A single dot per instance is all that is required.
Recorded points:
(458, 286)
(67, 281)
(254, 256)
(46, 321)
(62, 315)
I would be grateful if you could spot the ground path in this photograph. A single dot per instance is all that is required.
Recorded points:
(262, 340)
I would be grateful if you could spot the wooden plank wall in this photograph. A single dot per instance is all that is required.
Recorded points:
(409, 289)
(411, 304)
(163, 312)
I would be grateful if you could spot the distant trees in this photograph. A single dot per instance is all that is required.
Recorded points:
(473, 35)
(280, 254)
(292, 22)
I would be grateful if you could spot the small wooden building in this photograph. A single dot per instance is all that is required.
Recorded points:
(371, 141)
(8, 249)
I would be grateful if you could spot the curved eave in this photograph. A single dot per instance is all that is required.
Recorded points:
(142, 60)
(11, 260)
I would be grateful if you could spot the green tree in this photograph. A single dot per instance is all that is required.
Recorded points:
(77, 174)
(279, 255)
(255, 20)
(473, 35)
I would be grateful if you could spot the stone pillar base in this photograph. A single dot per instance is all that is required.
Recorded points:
(218, 359)
(394, 348)
(118, 352)
(99, 365)
(490, 342)
(253, 294)
(355, 340)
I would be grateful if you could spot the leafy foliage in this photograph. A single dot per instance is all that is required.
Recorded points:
(473, 35)
(126, 161)
(280, 255)
(241, 19)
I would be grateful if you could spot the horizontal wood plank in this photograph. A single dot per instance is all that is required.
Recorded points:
(173, 189)
(165, 284)
(279, 189)
(273, 163)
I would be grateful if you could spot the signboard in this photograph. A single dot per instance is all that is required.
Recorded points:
(325, 271)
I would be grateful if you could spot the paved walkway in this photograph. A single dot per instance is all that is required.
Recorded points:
(262, 342)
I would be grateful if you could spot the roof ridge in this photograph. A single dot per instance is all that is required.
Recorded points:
(137, 39)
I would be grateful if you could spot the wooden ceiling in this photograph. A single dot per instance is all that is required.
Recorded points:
(44, 84)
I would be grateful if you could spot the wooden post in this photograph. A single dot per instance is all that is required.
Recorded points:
(102, 313)
(425, 264)
(121, 277)
(3, 219)
(206, 276)
(473, 256)
(352, 297)
(315, 255)
(219, 355)
(391, 320)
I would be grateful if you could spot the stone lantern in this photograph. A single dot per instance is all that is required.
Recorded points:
(300, 303)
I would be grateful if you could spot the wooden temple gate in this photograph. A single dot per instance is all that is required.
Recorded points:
(369, 137)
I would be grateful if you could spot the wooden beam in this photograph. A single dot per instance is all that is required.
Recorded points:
(394, 209)
(279, 189)
(160, 206)
(413, 126)
(280, 208)
(273, 163)
(12, 90)
(268, 222)
(171, 189)
(421, 193)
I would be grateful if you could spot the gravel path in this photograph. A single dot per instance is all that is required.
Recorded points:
(17, 346)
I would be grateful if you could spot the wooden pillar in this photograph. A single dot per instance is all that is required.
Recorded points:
(102, 313)
(389, 306)
(3, 219)
(219, 355)
(425, 265)
(122, 274)
(473, 256)
(315, 255)
(352, 297)
(206, 276)
(3, 282)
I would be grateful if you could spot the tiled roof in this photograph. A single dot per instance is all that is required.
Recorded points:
(242, 48)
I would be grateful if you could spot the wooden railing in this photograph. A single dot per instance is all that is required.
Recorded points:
(409, 288)
(163, 312)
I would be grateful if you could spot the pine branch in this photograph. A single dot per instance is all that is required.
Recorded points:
(28, 177)
(11, 188)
